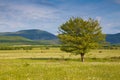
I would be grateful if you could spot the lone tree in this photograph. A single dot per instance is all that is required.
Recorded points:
(79, 36)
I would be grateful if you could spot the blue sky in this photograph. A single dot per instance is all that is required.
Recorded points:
(50, 14)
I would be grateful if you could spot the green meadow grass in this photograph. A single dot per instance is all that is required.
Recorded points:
(53, 64)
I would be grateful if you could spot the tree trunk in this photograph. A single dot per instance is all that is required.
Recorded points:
(82, 57)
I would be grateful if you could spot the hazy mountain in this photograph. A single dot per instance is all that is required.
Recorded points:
(113, 38)
(33, 34)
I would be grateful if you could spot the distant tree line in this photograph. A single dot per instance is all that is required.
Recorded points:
(111, 47)
(43, 47)
(15, 48)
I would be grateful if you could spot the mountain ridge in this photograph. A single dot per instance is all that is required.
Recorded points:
(113, 38)
(39, 36)
(33, 34)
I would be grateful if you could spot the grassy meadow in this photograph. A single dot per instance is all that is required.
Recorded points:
(53, 64)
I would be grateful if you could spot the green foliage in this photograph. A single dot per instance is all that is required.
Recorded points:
(111, 47)
(79, 36)
(16, 47)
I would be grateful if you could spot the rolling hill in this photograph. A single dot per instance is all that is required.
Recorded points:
(35, 36)
(14, 40)
(28, 37)
(17, 40)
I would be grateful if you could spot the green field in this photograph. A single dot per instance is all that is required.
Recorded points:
(53, 64)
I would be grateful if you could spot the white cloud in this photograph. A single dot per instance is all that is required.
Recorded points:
(33, 12)
(111, 27)
(112, 24)
(28, 16)
(12, 24)
(30, 11)
(48, 15)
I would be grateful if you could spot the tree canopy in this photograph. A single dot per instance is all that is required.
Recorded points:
(79, 36)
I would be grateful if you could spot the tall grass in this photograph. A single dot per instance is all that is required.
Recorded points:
(58, 70)
(53, 64)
